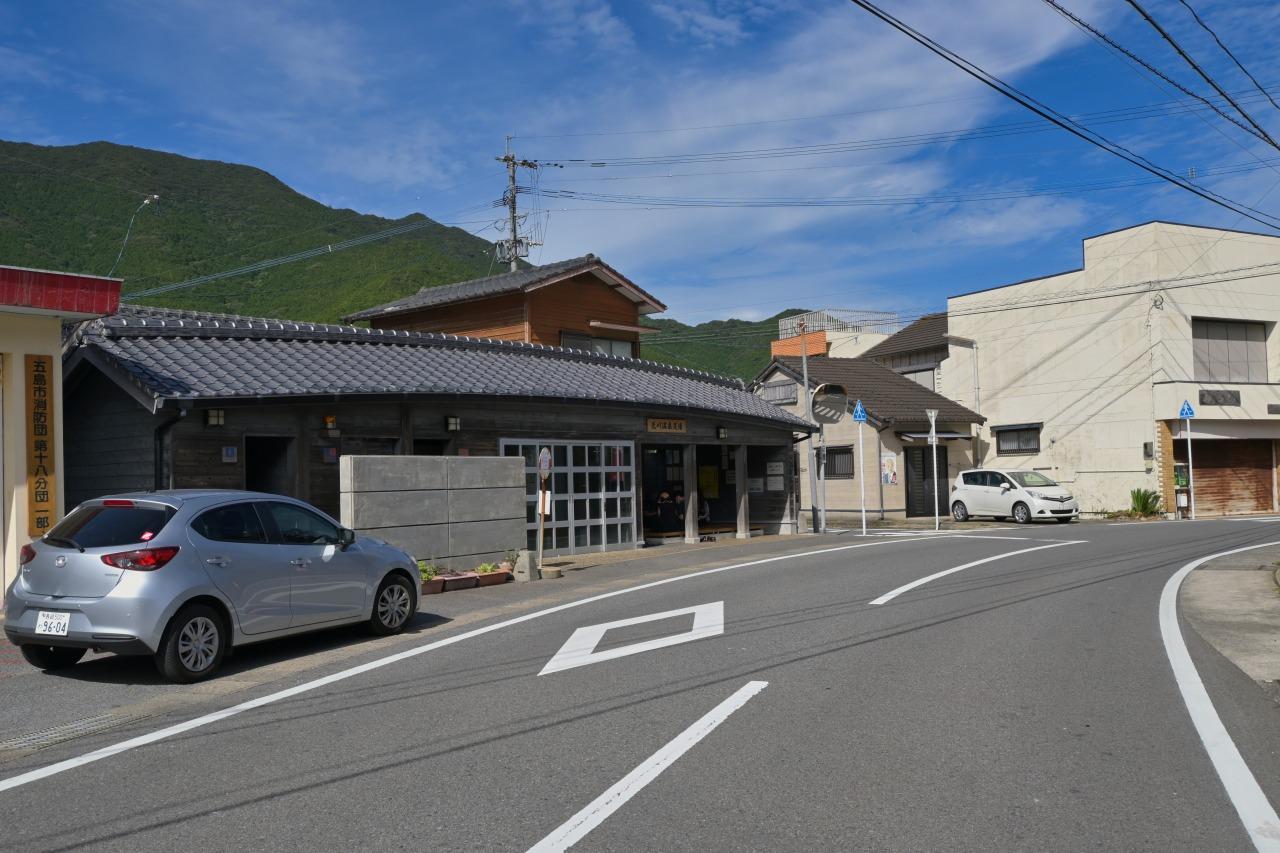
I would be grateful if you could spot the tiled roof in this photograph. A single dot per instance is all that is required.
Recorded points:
(929, 332)
(193, 356)
(885, 393)
(495, 285)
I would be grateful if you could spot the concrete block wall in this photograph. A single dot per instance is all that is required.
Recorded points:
(457, 511)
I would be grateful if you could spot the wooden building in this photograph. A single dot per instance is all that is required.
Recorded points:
(168, 399)
(582, 304)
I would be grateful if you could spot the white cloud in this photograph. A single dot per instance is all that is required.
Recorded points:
(589, 24)
(841, 64)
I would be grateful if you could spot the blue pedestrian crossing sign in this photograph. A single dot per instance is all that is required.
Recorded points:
(1187, 411)
(859, 413)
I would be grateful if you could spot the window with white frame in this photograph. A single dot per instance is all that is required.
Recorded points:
(587, 343)
(1229, 350)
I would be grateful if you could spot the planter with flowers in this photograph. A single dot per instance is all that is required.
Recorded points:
(432, 583)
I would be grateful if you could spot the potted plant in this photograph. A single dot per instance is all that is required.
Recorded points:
(459, 580)
(432, 583)
(490, 574)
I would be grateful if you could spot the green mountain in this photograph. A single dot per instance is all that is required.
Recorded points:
(67, 208)
(731, 347)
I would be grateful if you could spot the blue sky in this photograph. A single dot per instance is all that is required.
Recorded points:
(393, 108)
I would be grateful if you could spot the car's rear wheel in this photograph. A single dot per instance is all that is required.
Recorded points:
(392, 606)
(193, 645)
(1021, 513)
(52, 657)
(959, 511)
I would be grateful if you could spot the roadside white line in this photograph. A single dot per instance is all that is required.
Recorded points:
(216, 716)
(598, 810)
(892, 594)
(1251, 804)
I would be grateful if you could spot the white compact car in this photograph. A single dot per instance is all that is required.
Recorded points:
(1023, 495)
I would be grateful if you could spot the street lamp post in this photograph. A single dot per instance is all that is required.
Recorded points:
(933, 443)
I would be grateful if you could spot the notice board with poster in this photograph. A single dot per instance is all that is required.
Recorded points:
(41, 476)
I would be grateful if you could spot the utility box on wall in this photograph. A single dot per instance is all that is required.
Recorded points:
(457, 512)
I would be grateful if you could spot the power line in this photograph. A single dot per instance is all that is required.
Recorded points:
(1098, 34)
(1228, 52)
(668, 202)
(146, 201)
(1048, 113)
(1172, 283)
(287, 259)
(1196, 67)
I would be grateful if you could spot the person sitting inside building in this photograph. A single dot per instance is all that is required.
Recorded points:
(667, 520)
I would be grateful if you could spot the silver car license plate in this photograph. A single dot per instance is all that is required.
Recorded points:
(53, 622)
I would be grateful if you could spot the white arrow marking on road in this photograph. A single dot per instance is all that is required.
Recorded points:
(892, 594)
(579, 649)
(1250, 802)
(576, 828)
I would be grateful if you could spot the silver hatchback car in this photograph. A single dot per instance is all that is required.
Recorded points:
(185, 575)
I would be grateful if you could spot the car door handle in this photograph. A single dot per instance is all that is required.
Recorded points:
(220, 562)
(301, 561)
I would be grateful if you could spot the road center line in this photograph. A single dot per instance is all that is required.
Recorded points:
(598, 810)
(892, 594)
(298, 689)
(1251, 804)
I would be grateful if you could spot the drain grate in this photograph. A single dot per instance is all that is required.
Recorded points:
(68, 731)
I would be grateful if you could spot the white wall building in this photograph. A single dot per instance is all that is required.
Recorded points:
(1081, 374)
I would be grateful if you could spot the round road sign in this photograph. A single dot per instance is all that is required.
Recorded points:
(544, 463)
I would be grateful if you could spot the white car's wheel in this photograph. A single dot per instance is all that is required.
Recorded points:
(1021, 513)
(959, 511)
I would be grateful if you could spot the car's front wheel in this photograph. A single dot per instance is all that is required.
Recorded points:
(52, 657)
(1021, 513)
(959, 511)
(193, 646)
(392, 606)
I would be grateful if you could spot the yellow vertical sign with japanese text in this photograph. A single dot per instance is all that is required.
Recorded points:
(41, 477)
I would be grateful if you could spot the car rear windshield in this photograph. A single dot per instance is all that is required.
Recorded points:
(102, 526)
(1031, 479)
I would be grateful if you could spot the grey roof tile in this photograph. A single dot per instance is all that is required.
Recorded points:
(929, 332)
(884, 392)
(188, 355)
(494, 285)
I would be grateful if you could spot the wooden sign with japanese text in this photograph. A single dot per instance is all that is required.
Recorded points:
(41, 476)
(670, 425)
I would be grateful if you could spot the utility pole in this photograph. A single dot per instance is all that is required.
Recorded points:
(808, 416)
(513, 248)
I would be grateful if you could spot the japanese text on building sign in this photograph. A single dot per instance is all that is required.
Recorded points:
(678, 425)
(41, 477)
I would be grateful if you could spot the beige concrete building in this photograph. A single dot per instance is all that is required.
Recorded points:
(33, 304)
(897, 457)
(1081, 375)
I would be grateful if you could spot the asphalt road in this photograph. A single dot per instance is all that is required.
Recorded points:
(1026, 702)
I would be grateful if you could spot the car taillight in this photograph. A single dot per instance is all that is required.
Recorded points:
(117, 503)
(26, 555)
(144, 560)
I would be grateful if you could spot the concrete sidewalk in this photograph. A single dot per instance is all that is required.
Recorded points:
(1234, 603)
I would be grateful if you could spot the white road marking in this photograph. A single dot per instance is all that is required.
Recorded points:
(579, 649)
(953, 533)
(1251, 804)
(1269, 518)
(577, 827)
(892, 594)
(216, 716)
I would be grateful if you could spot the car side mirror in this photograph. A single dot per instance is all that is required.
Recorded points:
(1004, 487)
(346, 536)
